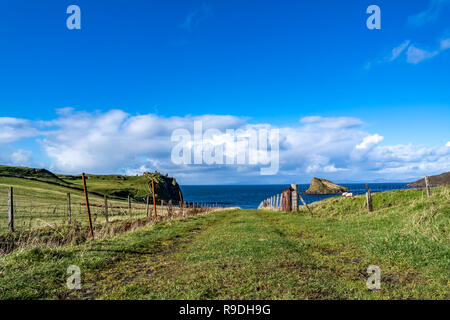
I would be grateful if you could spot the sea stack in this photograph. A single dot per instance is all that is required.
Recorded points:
(166, 188)
(322, 186)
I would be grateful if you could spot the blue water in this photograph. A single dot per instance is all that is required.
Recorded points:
(249, 196)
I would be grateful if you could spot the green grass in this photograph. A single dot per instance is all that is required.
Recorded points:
(39, 204)
(250, 254)
(113, 185)
(31, 173)
(118, 186)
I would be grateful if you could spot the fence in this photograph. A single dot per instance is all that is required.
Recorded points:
(287, 200)
(27, 210)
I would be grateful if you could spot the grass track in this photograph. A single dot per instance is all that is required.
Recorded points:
(249, 254)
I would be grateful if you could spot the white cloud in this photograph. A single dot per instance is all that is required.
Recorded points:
(13, 129)
(20, 157)
(370, 141)
(398, 50)
(447, 144)
(116, 142)
(415, 55)
(195, 17)
(445, 44)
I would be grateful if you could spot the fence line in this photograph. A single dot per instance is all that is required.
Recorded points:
(25, 213)
(286, 201)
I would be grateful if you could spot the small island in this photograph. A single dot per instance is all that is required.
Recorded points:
(320, 186)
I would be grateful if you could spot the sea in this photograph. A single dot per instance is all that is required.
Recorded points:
(250, 196)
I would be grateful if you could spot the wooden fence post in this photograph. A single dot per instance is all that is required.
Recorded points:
(294, 197)
(154, 199)
(289, 200)
(106, 208)
(427, 186)
(304, 203)
(11, 209)
(87, 204)
(181, 202)
(129, 206)
(369, 199)
(69, 209)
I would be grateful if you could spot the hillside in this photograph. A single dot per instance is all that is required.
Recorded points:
(435, 181)
(31, 173)
(257, 254)
(112, 185)
(115, 186)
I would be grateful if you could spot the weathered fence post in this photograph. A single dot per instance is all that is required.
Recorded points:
(181, 201)
(11, 209)
(69, 209)
(294, 194)
(87, 204)
(427, 186)
(369, 199)
(289, 200)
(129, 206)
(154, 199)
(304, 203)
(106, 208)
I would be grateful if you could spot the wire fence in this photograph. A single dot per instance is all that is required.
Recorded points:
(25, 211)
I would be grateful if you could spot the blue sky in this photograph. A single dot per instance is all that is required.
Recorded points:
(265, 62)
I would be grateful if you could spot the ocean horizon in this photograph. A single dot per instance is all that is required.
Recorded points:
(250, 196)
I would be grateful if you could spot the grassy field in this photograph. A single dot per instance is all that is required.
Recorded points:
(250, 254)
(40, 197)
(113, 185)
(38, 204)
(118, 186)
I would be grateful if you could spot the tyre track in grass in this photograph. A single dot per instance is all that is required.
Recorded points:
(143, 262)
(243, 255)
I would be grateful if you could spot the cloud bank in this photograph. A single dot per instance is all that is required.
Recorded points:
(117, 142)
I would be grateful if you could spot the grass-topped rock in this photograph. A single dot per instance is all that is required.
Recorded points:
(323, 186)
(166, 188)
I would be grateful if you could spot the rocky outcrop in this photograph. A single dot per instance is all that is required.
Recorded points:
(322, 186)
(434, 181)
(166, 188)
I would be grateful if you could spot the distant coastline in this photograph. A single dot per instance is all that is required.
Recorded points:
(249, 196)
